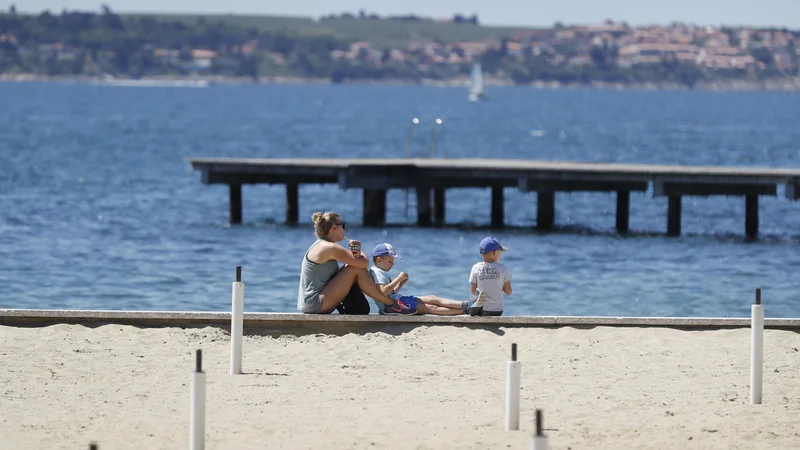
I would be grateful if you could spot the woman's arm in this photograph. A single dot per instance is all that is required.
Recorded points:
(335, 251)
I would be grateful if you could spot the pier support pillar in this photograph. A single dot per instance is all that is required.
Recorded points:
(424, 207)
(623, 210)
(498, 204)
(546, 210)
(438, 206)
(374, 207)
(291, 203)
(235, 204)
(674, 216)
(751, 215)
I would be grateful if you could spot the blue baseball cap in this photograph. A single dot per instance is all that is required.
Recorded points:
(384, 250)
(490, 244)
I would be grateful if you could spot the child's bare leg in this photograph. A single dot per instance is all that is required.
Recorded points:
(442, 302)
(422, 308)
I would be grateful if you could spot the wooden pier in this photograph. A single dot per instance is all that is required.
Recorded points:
(433, 176)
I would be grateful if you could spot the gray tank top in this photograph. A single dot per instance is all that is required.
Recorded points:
(313, 277)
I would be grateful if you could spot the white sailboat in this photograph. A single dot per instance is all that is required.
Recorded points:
(476, 83)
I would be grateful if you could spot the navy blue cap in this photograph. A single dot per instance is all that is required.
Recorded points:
(490, 244)
(384, 250)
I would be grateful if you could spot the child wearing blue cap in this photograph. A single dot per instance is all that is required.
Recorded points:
(491, 278)
(383, 256)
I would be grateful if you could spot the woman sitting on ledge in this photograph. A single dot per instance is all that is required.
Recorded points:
(325, 287)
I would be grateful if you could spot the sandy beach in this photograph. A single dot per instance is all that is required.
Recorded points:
(434, 387)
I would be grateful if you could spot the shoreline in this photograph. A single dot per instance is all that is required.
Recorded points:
(782, 85)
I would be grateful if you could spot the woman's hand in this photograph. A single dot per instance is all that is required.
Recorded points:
(355, 247)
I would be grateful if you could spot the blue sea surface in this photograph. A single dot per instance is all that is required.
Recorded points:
(99, 209)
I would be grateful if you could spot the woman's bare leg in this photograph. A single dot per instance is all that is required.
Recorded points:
(422, 308)
(443, 302)
(339, 285)
(367, 285)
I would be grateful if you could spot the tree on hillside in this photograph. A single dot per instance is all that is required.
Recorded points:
(604, 56)
(110, 20)
(764, 55)
(458, 18)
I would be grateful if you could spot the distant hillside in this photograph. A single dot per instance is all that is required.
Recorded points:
(379, 32)
(348, 47)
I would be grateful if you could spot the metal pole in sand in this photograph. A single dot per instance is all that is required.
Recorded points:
(197, 411)
(93, 446)
(756, 349)
(237, 322)
(512, 391)
(539, 440)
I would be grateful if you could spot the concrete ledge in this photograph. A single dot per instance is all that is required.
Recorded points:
(296, 323)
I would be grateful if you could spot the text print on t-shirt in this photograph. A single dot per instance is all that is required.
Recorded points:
(488, 273)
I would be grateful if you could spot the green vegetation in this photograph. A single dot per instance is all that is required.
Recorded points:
(377, 31)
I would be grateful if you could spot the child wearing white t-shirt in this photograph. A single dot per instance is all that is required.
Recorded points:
(491, 278)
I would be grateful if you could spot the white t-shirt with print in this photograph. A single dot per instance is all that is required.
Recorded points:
(490, 278)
